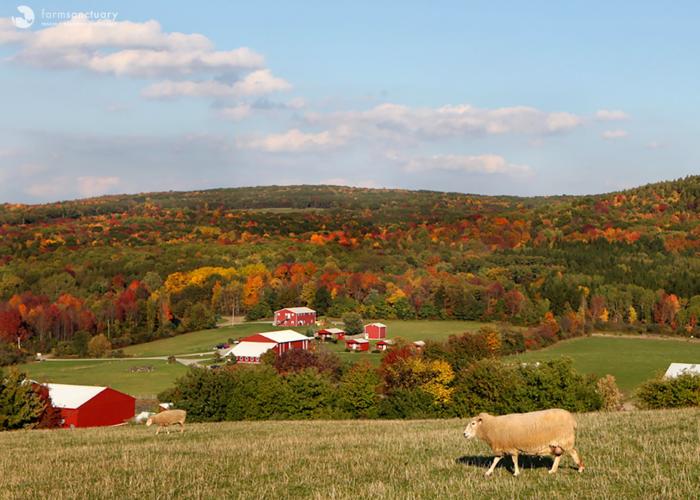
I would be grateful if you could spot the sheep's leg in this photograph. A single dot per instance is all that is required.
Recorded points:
(574, 454)
(158, 430)
(182, 427)
(555, 465)
(496, 459)
(514, 456)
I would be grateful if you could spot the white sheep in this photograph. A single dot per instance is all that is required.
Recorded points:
(546, 432)
(168, 418)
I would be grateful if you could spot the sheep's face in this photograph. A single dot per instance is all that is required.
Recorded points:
(149, 422)
(472, 427)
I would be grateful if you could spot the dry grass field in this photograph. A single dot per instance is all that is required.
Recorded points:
(651, 454)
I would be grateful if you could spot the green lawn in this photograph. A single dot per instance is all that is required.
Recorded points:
(112, 373)
(630, 360)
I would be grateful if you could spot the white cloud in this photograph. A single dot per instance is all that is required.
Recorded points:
(484, 164)
(237, 112)
(610, 115)
(295, 141)
(393, 121)
(95, 186)
(256, 83)
(614, 134)
(341, 181)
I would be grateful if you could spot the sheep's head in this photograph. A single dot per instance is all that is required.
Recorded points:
(149, 422)
(473, 426)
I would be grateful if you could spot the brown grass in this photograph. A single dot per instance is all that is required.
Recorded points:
(651, 454)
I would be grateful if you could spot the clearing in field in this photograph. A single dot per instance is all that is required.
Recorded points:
(649, 454)
(139, 378)
(630, 360)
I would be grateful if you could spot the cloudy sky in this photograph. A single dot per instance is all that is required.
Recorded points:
(482, 97)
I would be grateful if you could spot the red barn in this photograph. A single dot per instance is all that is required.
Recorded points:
(327, 333)
(91, 406)
(295, 316)
(375, 331)
(357, 344)
(250, 349)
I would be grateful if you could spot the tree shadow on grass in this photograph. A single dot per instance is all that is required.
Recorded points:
(524, 462)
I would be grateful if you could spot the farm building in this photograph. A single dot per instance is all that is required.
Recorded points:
(328, 333)
(375, 331)
(420, 344)
(675, 369)
(295, 316)
(357, 344)
(250, 349)
(383, 345)
(91, 406)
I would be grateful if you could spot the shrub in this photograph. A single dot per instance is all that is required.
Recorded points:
(681, 391)
(489, 386)
(260, 310)
(198, 317)
(610, 394)
(99, 346)
(10, 355)
(353, 323)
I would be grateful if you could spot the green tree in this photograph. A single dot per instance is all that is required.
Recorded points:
(20, 406)
(99, 346)
(353, 323)
(358, 392)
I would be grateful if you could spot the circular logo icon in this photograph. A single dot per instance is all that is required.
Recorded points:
(27, 18)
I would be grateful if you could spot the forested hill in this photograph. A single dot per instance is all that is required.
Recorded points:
(627, 257)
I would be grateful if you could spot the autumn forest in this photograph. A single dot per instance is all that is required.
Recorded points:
(140, 267)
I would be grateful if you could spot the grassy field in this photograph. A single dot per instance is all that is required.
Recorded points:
(113, 373)
(627, 455)
(630, 360)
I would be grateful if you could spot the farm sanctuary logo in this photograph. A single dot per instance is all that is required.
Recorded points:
(53, 17)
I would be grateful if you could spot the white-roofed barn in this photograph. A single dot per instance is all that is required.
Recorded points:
(250, 349)
(295, 316)
(91, 406)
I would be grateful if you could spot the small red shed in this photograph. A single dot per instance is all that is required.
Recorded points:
(91, 406)
(327, 333)
(375, 331)
(295, 316)
(357, 344)
(383, 345)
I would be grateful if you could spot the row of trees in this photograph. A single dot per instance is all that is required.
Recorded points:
(458, 378)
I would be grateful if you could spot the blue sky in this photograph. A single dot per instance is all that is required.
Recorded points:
(484, 97)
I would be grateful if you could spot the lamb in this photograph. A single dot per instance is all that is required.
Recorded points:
(546, 432)
(168, 418)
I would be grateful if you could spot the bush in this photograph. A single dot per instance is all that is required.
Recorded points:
(358, 392)
(99, 346)
(609, 393)
(678, 392)
(261, 310)
(198, 317)
(353, 323)
(10, 355)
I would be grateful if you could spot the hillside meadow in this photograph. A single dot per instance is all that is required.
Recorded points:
(650, 454)
(630, 360)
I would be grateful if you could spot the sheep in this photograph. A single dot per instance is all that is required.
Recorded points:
(546, 432)
(168, 418)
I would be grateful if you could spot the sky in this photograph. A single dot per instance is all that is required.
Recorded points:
(493, 97)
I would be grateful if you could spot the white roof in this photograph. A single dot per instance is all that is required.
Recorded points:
(72, 396)
(298, 309)
(333, 330)
(376, 324)
(675, 369)
(419, 343)
(251, 349)
(359, 341)
(284, 336)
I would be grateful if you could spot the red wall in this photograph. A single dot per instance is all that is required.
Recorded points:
(109, 407)
(295, 319)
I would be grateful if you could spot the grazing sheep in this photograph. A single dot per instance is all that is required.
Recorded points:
(168, 418)
(546, 432)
